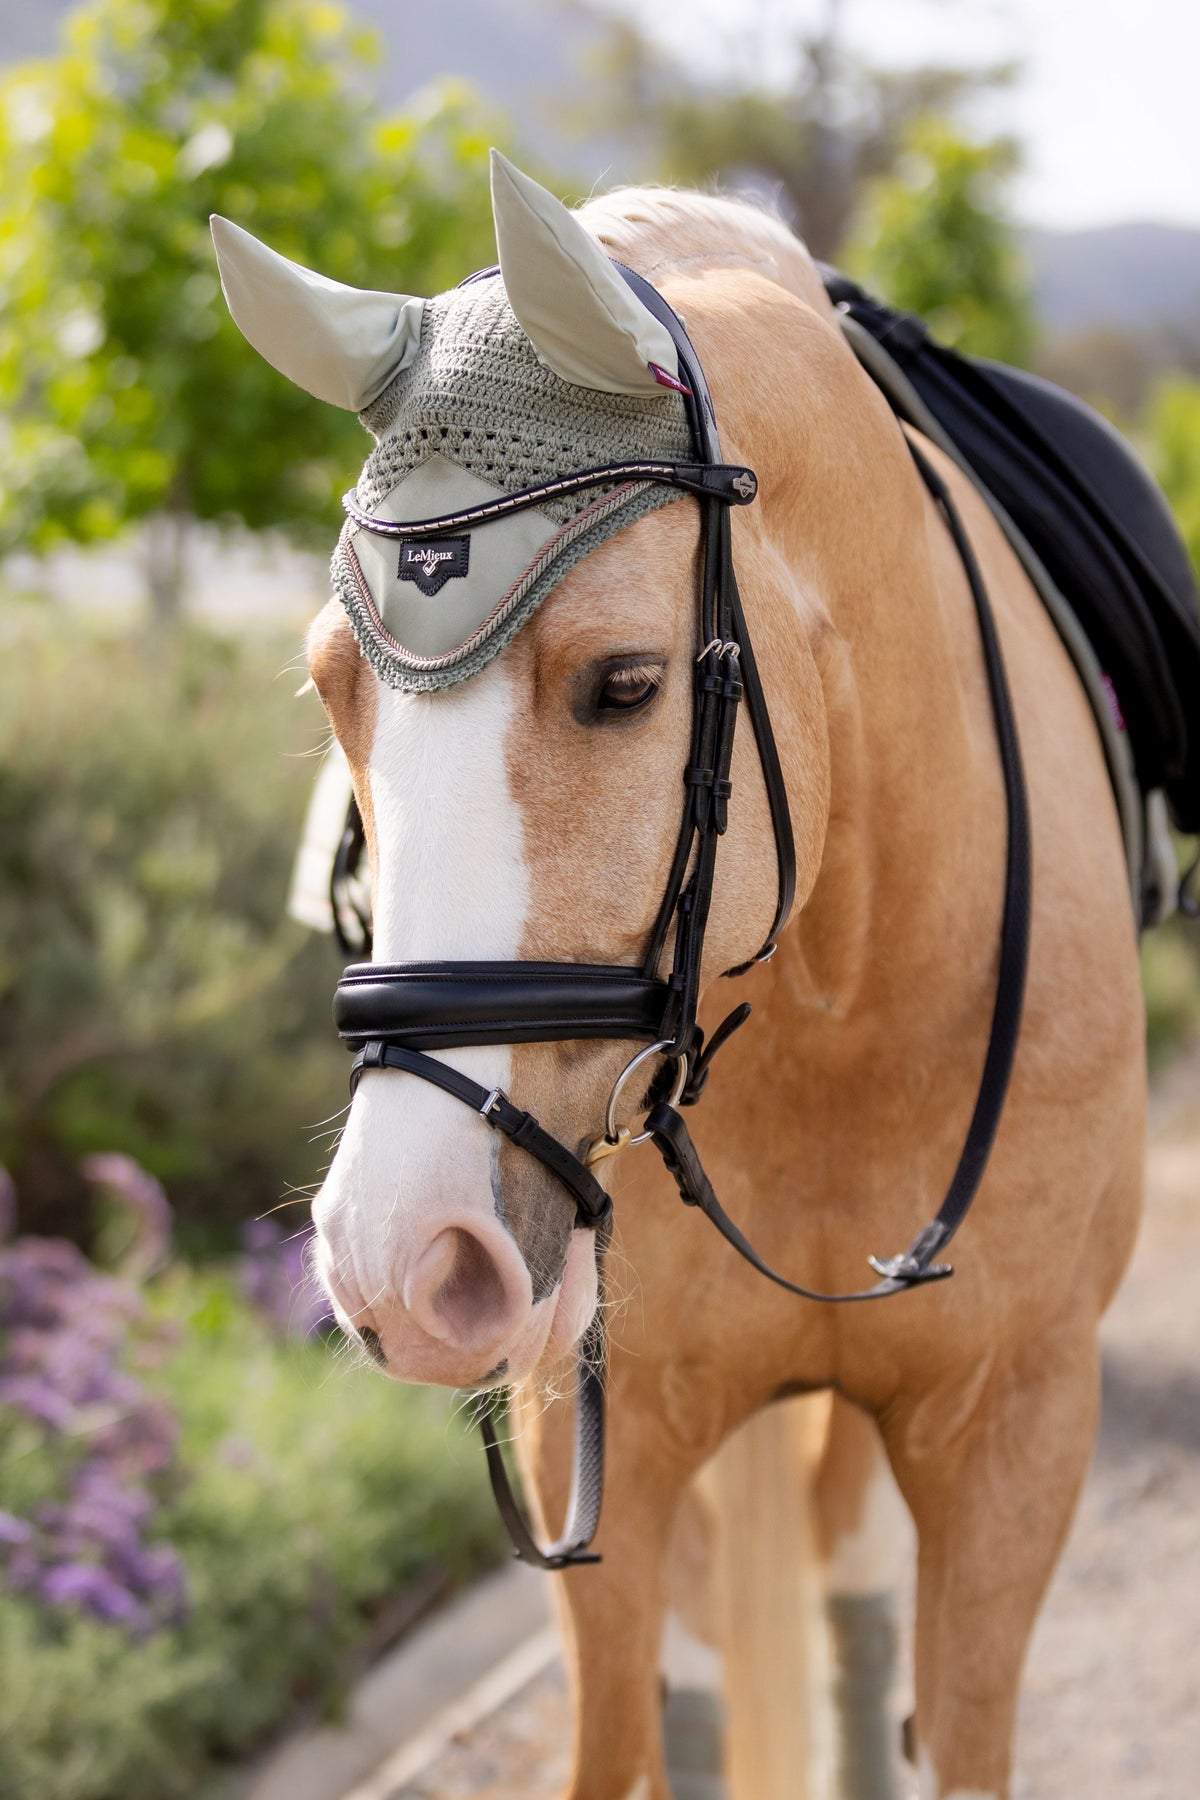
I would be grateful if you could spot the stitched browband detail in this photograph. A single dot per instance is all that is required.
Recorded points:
(717, 481)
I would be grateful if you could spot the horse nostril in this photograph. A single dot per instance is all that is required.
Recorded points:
(370, 1342)
(458, 1292)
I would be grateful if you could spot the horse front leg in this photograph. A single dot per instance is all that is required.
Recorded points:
(992, 1478)
(866, 1542)
(612, 1613)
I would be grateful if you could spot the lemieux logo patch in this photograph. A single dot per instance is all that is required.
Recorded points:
(435, 562)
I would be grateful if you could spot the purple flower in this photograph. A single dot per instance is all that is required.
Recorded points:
(14, 1531)
(140, 1439)
(24, 1567)
(111, 1528)
(155, 1574)
(90, 1588)
(145, 1199)
(260, 1234)
(38, 1401)
(276, 1279)
(42, 1280)
(64, 1336)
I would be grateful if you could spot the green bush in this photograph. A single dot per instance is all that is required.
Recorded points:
(1173, 427)
(933, 238)
(1171, 959)
(307, 1492)
(153, 997)
(125, 388)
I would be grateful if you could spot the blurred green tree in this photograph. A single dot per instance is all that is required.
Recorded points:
(796, 113)
(933, 239)
(1174, 429)
(125, 391)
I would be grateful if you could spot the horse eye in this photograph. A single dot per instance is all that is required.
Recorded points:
(624, 690)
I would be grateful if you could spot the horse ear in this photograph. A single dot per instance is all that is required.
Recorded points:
(583, 320)
(342, 344)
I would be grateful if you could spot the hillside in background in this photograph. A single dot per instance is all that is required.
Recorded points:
(532, 57)
(1134, 277)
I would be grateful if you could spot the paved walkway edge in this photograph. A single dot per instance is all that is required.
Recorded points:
(488, 1695)
(462, 1657)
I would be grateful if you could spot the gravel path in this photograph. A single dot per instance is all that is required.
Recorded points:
(1112, 1690)
(1111, 1700)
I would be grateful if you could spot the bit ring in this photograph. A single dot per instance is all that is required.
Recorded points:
(611, 1131)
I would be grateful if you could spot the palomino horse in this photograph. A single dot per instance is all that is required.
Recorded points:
(531, 811)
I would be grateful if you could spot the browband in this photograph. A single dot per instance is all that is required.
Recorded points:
(728, 482)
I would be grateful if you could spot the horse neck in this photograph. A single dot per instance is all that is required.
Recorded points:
(906, 899)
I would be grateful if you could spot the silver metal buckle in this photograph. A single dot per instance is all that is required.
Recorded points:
(493, 1099)
(723, 647)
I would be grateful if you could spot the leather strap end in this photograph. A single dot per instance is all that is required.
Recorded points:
(915, 1265)
(908, 1272)
(555, 1562)
(678, 1152)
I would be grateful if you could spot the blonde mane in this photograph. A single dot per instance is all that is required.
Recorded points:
(676, 231)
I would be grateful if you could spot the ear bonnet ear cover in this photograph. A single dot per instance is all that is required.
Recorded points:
(342, 344)
(584, 321)
(476, 415)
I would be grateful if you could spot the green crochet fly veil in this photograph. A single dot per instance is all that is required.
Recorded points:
(506, 384)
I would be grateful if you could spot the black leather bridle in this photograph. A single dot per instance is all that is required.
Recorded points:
(392, 1015)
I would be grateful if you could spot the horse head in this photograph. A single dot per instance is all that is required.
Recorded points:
(516, 738)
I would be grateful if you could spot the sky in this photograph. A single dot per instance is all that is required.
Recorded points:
(1108, 106)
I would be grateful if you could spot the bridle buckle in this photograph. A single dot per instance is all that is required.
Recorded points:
(493, 1100)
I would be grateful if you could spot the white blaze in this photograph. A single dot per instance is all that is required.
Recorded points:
(451, 876)
(451, 883)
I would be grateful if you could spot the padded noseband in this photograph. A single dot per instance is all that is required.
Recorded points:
(441, 1005)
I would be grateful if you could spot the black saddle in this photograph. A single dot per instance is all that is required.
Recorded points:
(1094, 517)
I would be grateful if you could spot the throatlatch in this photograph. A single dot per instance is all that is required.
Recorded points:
(392, 1014)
